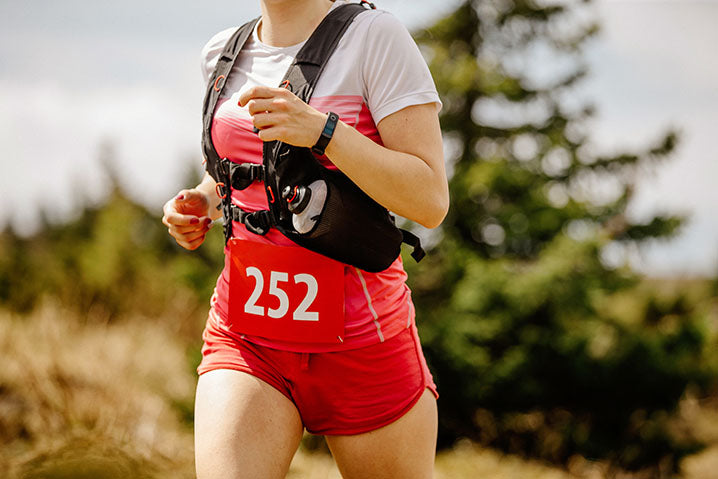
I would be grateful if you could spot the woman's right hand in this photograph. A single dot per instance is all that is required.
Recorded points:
(187, 218)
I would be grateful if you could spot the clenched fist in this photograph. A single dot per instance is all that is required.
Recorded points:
(187, 218)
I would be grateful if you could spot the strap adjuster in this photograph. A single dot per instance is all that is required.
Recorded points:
(242, 175)
(257, 222)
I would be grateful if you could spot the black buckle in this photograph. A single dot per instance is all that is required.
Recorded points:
(242, 175)
(257, 222)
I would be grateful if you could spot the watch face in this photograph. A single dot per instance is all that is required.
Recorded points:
(331, 124)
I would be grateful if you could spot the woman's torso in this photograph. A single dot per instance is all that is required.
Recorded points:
(362, 85)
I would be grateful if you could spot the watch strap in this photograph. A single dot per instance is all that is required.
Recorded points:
(327, 133)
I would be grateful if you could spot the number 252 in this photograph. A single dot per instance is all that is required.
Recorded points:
(275, 277)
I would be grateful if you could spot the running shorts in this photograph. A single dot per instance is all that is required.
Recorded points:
(336, 393)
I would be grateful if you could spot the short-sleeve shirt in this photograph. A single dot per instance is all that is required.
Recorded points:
(376, 70)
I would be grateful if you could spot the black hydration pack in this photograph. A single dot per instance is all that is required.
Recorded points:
(349, 227)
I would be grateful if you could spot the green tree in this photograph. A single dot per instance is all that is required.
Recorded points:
(112, 260)
(512, 299)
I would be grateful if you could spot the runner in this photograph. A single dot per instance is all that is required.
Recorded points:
(296, 340)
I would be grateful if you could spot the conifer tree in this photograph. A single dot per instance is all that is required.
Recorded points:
(512, 299)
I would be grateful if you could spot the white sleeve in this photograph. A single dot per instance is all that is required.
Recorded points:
(211, 52)
(395, 74)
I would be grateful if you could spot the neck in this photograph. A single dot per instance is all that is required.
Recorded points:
(288, 22)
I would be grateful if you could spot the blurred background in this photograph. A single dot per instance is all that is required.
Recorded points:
(568, 303)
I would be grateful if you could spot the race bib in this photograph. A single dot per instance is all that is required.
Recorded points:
(285, 292)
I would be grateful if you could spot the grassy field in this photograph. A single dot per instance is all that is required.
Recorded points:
(81, 398)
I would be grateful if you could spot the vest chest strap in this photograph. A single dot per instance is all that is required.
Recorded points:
(257, 222)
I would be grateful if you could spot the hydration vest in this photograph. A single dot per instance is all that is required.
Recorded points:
(351, 227)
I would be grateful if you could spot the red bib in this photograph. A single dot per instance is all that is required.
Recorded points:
(285, 292)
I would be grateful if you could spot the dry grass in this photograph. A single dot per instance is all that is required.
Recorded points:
(69, 392)
(84, 399)
(470, 461)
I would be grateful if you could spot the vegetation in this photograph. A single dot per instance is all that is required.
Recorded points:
(112, 260)
(544, 343)
(514, 300)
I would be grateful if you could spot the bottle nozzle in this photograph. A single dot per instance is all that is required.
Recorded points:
(297, 198)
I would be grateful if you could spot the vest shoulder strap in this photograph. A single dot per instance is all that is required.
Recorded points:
(215, 86)
(302, 75)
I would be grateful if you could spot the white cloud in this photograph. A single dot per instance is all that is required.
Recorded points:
(50, 140)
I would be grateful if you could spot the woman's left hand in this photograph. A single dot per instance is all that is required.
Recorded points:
(280, 115)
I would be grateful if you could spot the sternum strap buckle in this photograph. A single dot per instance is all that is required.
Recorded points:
(242, 175)
(257, 222)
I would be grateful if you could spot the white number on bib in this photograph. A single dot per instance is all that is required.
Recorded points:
(250, 306)
(301, 314)
(274, 290)
(275, 277)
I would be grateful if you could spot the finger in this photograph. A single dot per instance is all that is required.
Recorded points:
(173, 218)
(191, 242)
(260, 105)
(177, 231)
(167, 207)
(183, 244)
(192, 202)
(186, 196)
(168, 210)
(181, 194)
(196, 235)
(268, 105)
(204, 224)
(178, 237)
(194, 244)
(271, 133)
(258, 92)
(171, 204)
(190, 237)
(267, 120)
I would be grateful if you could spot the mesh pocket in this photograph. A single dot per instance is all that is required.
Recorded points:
(353, 228)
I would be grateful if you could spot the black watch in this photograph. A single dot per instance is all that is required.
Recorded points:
(329, 127)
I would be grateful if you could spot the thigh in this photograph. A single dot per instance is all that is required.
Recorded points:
(244, 428)
(402, 449)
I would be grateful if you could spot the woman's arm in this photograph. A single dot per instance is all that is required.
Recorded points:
(406, 175)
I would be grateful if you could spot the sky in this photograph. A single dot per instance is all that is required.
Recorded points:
(77, 75)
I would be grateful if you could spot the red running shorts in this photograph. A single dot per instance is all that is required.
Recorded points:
(336, 393)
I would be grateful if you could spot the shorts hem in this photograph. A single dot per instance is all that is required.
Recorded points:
(374, 426)
(266, 378)
(426, 383)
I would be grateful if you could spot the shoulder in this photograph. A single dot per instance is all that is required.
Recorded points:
(393, 71)
(218, 40)
(382, 37)
(377, 36)
(380, 22)
(212, 49)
